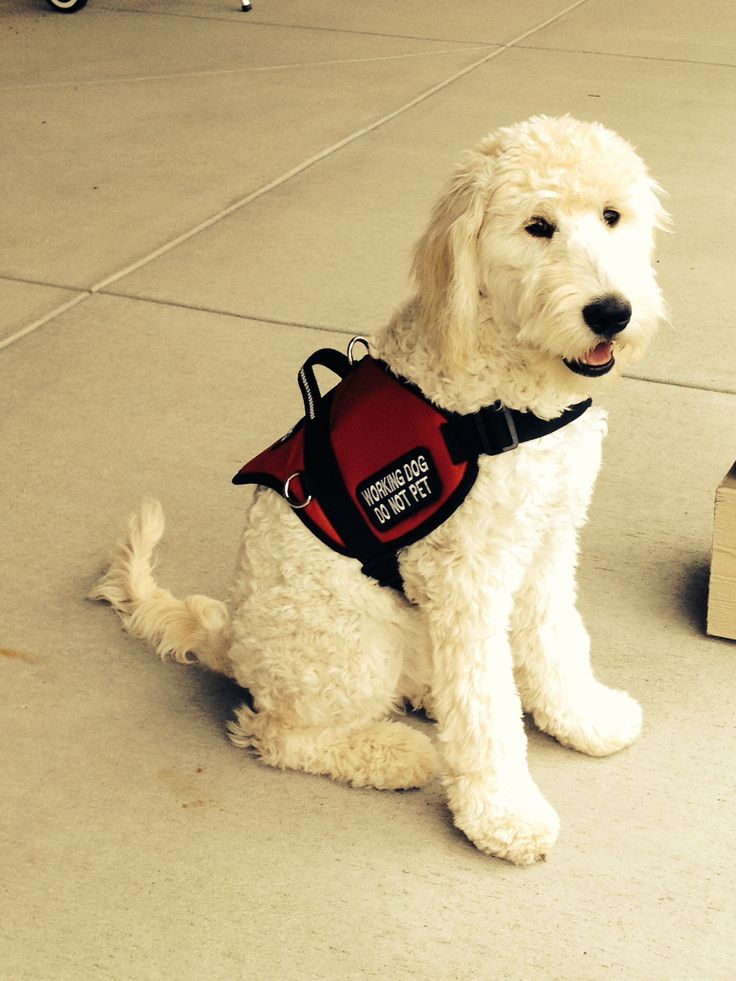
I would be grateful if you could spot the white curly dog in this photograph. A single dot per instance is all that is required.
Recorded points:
(534, 280)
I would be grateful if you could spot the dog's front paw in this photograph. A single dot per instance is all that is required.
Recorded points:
(602, 722)
(515, 823)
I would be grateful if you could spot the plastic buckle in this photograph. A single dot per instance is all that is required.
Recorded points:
(498, 408)
(511, 427)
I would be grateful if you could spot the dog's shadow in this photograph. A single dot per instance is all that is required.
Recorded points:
(218, 696)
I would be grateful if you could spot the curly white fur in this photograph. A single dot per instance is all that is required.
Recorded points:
(492, 630)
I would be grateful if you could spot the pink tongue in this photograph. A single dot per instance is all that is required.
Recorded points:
(601, 354)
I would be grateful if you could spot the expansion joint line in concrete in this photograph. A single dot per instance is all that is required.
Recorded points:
(284, 178)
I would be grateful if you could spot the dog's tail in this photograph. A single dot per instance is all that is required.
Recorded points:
(192, 630)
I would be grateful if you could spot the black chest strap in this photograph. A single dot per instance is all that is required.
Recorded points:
(494, 429)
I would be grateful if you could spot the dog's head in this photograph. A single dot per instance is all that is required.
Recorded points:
(545, 234)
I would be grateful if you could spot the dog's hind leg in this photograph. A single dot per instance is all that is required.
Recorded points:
(324, 689)
(383, 754)
(323, 651)
(193, 629)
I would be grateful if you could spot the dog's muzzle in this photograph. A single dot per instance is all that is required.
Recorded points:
(606, 317)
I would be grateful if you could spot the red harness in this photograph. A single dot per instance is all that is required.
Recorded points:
(374, 466)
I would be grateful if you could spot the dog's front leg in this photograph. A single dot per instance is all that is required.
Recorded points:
(491, 794)
(551, 651)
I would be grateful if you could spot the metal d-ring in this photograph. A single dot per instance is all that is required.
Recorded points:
(357, 340)
(295, 504)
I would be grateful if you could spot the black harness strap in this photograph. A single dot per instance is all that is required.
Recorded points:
(495, 429)
(327, 357)
(325, 481)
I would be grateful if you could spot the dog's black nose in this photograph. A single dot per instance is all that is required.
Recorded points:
(607, 316)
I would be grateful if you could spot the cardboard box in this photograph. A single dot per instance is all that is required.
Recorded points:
(722, 594)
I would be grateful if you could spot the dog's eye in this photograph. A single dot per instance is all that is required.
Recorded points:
(541, 228)
(611, 217)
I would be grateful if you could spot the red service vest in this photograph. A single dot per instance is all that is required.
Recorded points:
(374, 466)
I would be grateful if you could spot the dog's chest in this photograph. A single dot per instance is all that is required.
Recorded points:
(552, 477)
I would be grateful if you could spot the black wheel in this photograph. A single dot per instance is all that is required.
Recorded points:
(67, 6)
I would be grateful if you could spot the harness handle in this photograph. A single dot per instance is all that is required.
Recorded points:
(326, 357)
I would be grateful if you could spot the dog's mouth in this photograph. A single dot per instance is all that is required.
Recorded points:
(597, 361)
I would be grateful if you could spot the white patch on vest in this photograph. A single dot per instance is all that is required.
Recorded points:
(401, 490)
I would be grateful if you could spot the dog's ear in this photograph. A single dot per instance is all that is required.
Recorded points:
(446, 266)
(662, 219)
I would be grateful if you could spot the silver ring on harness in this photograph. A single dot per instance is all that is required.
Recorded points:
(357, 340)
(295, 504)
